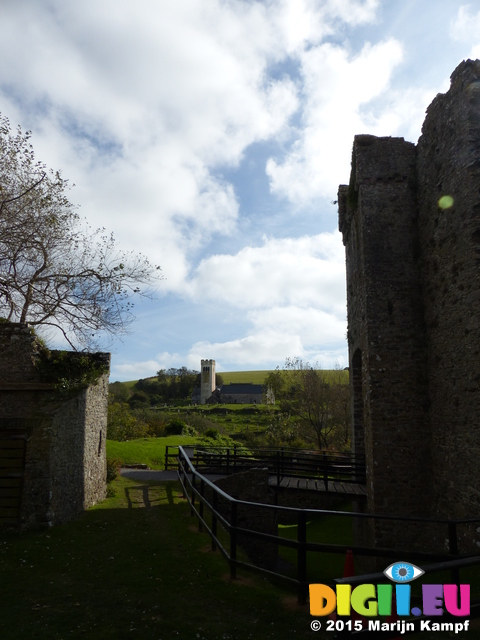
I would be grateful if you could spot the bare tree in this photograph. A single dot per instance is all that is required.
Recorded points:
(317, 400)
(54, 270)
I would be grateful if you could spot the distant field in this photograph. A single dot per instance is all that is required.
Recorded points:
(256, 377)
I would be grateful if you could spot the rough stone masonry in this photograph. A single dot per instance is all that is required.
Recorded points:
(410, 220)
(52, 444)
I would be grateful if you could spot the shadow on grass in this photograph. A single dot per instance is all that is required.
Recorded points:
(144, 496)
(133, 567)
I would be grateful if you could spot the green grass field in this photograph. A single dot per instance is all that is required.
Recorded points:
(256, 377)
(149, 451)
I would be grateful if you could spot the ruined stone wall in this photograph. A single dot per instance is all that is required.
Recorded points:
(78, 468)
(413, 297)
(385, 316)
(449, 165)
(65, 459)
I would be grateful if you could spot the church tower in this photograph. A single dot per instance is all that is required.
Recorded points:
(207, 381)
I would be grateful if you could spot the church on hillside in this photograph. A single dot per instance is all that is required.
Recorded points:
(233, 393)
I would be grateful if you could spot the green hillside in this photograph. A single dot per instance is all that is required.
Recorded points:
(256, 377)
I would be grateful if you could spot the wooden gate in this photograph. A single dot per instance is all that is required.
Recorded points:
(12, 465)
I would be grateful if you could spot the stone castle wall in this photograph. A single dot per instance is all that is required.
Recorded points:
(449, 164)
(413, 296)
(65, 457)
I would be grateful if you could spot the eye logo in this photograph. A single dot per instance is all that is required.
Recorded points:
(403, 572)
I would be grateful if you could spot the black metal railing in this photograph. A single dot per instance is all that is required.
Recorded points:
(281, 463)
(203, 495)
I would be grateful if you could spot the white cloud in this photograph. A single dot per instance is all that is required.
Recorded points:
(304, 271)
(145, 368)
(303, 23)
(336, 87)
(144, 104)
(268, 349)
(466, 27)
(314, 327)
(252, 350)
(139, 102)
(292, 292)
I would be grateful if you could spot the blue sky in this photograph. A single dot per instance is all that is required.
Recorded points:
(212, 135)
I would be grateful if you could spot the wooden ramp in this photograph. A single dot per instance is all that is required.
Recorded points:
(309, 484)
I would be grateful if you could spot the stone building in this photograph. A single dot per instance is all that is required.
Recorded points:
(52, 430)
(207, 379)
(241, 393)
(410, 220)
(232, 393)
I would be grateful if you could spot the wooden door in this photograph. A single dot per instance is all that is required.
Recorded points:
(12, 465)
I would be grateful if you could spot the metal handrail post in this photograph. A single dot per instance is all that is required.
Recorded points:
(192, 512)
(325, 471)
(302, 557)
(233, 541)
(200, 520)
(214, 520)
(453, 549)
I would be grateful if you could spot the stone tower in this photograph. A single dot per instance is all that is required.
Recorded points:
(410, 220)
(207, 381)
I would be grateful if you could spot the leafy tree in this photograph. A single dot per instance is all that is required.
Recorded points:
(276, 381)
(138, 399)
(118, 392)
(177, 384)
(55, 271)
(282, 430)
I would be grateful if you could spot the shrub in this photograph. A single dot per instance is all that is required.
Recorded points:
(211, 433)
(113, 467)
(123, 425)
(111, 491)
(198, 422)
(219, 443)
(175, 427)
(139, 399)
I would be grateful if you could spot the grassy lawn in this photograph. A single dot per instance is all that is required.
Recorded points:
(149, 451)
(135, 567)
